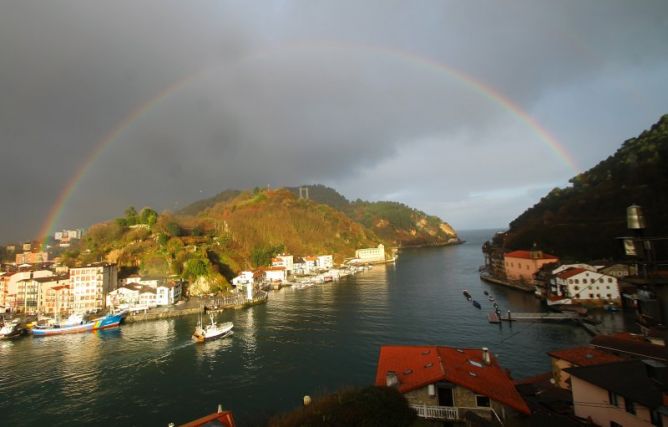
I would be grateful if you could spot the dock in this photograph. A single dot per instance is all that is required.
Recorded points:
(539, 317)
(515, 285)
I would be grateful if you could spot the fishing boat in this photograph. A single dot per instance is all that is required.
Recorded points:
(209, 332)
(476, 304)
(491, 298)
(76, 324)
(467, 295)
(11, 330)
(485, 292)
(493, 317)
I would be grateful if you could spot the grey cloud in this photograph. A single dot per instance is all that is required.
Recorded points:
(305, 91)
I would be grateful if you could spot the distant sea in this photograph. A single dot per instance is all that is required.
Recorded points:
(309, 341)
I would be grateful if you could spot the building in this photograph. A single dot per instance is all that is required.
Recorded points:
(20, 292)
(27, 296)
(133, 296)
(629, 345)
(65, 237)
(168, 293)
(275, 274)
(585, 286)
(520, 266)
(618, 270)
(54, 295)
(325, 262)
(32, 258)
(153, 281)
(449, 383)
(370, 255)
(625, 394)
(286, 261)
(576, 357)
(243, 279)
(309, 264)
(91, 284)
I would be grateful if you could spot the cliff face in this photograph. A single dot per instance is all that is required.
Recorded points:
(583, 220)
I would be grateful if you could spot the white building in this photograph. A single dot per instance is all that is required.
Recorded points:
(91, 284)
(275, 274)
(168, 293)
(376, 254)
(153, 282)
(133, 296)
(325, 262)
(244, 278)
(286, 261)
(585, 286)
(565, 267)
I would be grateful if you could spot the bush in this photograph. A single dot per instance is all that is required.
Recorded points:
(368, 407)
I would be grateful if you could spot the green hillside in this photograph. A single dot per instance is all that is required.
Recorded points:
(239, 230)
(582, 221)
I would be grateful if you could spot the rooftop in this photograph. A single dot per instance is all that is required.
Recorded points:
(630, 345)
(528, 255)
(419, 366)
(585, 356)
(570, 273)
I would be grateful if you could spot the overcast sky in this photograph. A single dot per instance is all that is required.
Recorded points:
(381, 100)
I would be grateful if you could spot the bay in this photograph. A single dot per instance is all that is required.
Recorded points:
(309, 341)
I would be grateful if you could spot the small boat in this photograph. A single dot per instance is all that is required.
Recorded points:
(493, 317)
(214, 330)
(11, 330)
(476, 304)
(611, 307)
(467, 295)
(76, 324)
(485, 292)
(491, 298)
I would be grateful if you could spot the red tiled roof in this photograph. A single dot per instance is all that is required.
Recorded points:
(224, 418)
(585, 356)
(418, 366)
(527, 255)
(570, 273)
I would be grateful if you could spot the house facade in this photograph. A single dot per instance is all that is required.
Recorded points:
(168, 293)
(586, 286)
(286, 261)
(91, 284)
(325, 262)
(275, 274)
(365, 255)
(447, 383)
(521, 266)
(54, 295)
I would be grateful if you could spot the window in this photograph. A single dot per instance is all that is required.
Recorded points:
(591, 295)
(600, 280)
(577, 288)
(576, 281)
(482, 401)
(609, 279)
(584, 281)
(630, 406)
(612, 398)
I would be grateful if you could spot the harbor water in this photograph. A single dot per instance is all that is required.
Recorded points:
(307, 341)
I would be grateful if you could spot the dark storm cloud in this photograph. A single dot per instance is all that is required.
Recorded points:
(304, 92)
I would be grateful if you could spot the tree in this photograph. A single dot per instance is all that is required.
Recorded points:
(148, 216)
(131, 215)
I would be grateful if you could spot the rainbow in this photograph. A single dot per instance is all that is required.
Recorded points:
(134, 116)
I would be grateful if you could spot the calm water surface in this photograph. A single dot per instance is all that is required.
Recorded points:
(307, 341)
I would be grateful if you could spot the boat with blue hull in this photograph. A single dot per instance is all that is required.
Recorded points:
(75, 324)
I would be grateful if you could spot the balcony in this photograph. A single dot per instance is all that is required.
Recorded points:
(454, 413)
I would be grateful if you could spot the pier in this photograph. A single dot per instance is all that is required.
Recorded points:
(539, 317)
(491, 279)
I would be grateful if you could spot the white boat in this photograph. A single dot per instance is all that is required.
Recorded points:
(11, 330)
(214, 330)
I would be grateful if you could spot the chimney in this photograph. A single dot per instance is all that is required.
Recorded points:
(391, 379)
(485, 356)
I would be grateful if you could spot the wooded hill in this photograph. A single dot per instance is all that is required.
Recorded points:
(582, 221)
(212, 240)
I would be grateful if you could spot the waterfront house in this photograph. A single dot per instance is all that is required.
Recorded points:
(283, 260)
(244, 278)
(450, 384)
(54, 295)
(24, 295)
(625, 394)
(521, 266)
(325, 262)
(370, 255)
(168, 293)
(576, 357)
(91, 284)
(586, 286)
(275, 274)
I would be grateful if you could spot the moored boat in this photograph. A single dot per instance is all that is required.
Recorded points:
(467, 294)
(11, 330)
(76, 324)
(493, 317)
(476, 304)
(214, 330)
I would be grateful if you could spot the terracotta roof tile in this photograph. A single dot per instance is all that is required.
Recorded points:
(418, 366)
(585, 356)
(527, 255)
(570, 273)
